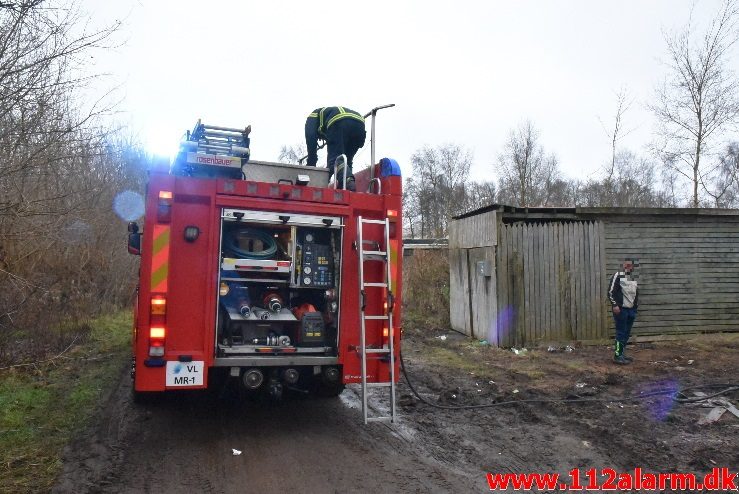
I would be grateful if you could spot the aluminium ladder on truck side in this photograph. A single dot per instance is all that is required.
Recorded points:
(386, 353)
(214, 139)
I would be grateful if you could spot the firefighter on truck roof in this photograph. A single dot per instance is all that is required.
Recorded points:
(343, 131)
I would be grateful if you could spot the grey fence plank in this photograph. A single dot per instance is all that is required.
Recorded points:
(593, 279)
(547, 329)
(510, 297)
(521, 239)
(501, 275)
(602, 288)
(576, 279)
(552, 291)
(531, 285)
(556, 292)
(520, 287)
(562, 282)
(512, 282)
(546, 262)
(588, 329)
(589, 278)
(572, 282)
(584, 279)
(541, 305)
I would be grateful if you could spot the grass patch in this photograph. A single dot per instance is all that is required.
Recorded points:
(465, 357)
(535, 369)
(43, 405)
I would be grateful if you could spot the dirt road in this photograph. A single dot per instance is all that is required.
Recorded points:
(185, 444)
(304, 444)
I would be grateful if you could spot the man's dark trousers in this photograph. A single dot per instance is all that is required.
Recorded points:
(344, 137)
(624, 321)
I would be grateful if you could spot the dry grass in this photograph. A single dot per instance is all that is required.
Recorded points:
(426, 289)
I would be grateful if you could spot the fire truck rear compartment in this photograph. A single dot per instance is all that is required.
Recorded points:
(279, 285)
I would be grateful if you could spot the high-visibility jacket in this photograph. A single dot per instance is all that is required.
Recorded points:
(320, 122)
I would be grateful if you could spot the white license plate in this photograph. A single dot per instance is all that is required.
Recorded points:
(185, 373)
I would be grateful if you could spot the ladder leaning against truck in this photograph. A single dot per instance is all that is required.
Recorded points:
(266, 273)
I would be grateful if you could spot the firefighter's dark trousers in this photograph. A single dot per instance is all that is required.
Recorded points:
(624, 322)
(344, 137)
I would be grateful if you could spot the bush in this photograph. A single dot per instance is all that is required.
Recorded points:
(426, 289)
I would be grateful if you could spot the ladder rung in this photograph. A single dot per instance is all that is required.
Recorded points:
(377, 350)
(379, 385)
(370, 250)
(379, 419)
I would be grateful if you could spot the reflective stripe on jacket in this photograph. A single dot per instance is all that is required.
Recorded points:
(329, 115)
(319, 122)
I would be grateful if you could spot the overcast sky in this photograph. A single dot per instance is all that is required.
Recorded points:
(461, 72)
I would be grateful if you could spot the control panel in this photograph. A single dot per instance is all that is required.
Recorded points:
(317, 263)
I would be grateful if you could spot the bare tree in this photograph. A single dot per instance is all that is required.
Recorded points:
(292, 154)
(480, 194)
(525, 171)
(436, 191)
(700, 98)
(617, 132)
(58, 173)
(631, 184)
(412, 214)
(725, 190)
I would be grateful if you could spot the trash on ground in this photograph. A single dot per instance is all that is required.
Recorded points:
(515, 391)
(580, 385)
(569, 348)
(236, 452)
(690, 362)
(519, 351)
(553, 349)
(442, 337)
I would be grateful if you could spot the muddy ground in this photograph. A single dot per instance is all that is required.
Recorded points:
(185, 443)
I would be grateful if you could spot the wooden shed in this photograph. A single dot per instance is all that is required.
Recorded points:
(524, 276)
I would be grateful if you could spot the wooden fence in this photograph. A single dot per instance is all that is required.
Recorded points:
(688, 270)
(551, 283)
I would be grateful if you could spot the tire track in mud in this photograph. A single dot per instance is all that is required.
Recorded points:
(301, 444)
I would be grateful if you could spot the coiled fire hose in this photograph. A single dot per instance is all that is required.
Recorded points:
(231, 243)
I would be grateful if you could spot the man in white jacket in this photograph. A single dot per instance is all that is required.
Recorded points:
(623, 293)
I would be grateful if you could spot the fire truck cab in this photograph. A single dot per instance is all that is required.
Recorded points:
(266, 273)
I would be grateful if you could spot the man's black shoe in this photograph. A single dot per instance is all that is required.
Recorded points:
(620, 360)
(627, 358)
(350, 185)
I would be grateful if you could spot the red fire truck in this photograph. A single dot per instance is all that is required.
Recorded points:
(267, 273)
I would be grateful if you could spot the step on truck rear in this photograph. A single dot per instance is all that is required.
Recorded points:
(267, 273)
